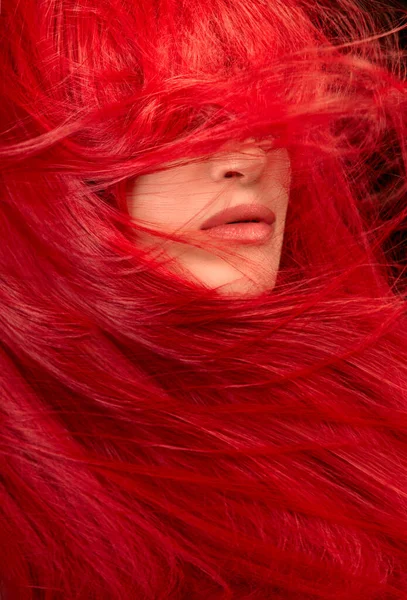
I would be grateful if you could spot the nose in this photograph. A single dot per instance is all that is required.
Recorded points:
(245, 161)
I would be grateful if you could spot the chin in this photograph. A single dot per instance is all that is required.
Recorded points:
(230, 282)
(244, 288)
(227, 280)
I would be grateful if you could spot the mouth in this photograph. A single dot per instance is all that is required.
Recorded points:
(245, 224)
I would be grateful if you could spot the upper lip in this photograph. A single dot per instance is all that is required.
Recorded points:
(242, 212)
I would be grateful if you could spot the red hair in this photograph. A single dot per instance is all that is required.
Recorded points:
(159, 441)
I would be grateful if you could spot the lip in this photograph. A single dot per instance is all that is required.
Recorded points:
(242, 233)
(240, 213)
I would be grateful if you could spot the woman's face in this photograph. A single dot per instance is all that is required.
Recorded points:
(182, 198)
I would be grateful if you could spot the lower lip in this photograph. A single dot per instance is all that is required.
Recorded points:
(243, 233)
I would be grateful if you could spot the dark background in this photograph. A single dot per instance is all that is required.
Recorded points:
(395, 178)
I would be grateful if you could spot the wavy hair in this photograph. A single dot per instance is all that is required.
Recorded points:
(159, 441)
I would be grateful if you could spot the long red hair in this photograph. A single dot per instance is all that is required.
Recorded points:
(159, 441)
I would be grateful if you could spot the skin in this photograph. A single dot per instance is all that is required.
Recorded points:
(179, 200)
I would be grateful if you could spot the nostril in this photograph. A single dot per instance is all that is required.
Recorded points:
(230, 174)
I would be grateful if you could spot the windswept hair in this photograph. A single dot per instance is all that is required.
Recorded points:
(159, 441)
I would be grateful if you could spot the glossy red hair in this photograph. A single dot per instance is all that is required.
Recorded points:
(157, 440)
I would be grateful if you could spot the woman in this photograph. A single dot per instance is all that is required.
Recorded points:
(194, 405)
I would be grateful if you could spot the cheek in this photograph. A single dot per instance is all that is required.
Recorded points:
(150, 211)
(150, 202)
(280, 168)
(165, 199)
(279, 178)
